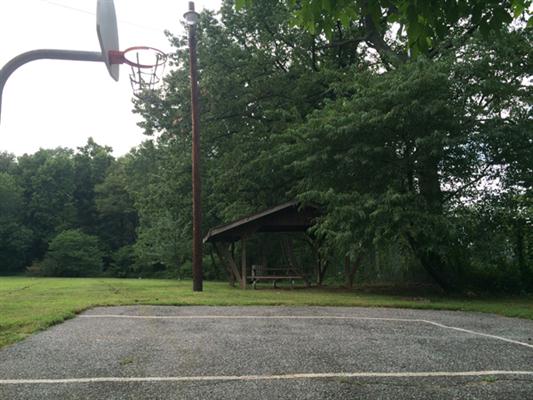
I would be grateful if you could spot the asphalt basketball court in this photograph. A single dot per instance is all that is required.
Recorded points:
(148, 352)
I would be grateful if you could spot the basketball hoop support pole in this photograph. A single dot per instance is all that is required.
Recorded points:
(44, 54)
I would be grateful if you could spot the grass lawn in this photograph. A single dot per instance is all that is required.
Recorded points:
(28, 305)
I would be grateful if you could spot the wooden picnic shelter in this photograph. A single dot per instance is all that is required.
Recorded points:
(286, 217)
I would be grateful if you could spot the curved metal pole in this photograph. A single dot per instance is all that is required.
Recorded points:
(43, 54)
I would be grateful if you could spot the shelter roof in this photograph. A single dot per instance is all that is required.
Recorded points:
(286, 217)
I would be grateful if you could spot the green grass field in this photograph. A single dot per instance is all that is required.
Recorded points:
(28, 305)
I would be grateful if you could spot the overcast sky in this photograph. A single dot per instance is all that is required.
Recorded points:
(61, 103)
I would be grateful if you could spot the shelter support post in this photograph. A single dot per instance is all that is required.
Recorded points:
(243, 262)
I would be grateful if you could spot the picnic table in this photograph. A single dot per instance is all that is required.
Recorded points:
(274, 274)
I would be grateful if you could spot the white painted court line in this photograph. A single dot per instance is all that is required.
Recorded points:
(341, 317)
(431, 374)
(478, 333)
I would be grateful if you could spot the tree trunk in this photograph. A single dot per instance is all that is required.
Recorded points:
(433, 263)
(350, 269)
(520, 252)
(227, 259)
(430, 190)
(347, 282)
(322, 266)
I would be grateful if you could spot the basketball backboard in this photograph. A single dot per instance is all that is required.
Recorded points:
(106, 28)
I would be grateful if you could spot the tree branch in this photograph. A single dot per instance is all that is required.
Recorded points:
(376, 40)
(467, 185)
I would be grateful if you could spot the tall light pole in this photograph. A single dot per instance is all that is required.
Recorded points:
(191, 17)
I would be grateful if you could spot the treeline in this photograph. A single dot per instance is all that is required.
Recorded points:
(422, 166)
(65, 213)
(75, 213)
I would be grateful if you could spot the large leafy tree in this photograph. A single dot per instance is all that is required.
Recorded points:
(425, 25)
(117, 216)
(401, 152)
(158, 179)
(48, 182)
(91, 163)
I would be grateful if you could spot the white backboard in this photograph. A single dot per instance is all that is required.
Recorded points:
(106, 28)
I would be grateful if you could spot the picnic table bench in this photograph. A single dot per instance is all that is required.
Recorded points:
(262, 273)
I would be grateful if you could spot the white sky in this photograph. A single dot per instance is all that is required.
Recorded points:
(49, 103)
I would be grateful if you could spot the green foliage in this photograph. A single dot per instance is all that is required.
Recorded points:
(55, 190)
(73, 253)
(373, 146)
(116, 214)
(10, 198)
(427, 23)
(7, 162)
(48, 180)
(399, 153)
(122, 264)
(497, 233)
(15, 239)
(158, 185)
(91, 163)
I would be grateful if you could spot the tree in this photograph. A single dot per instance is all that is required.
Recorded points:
(48, 182)
(15, 239)
(400, 152)
(117, 217)
(425, 24)
(157, 182)
(7, 162)
(73, 253)
(91, 163)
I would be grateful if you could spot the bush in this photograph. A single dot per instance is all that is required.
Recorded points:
(35, 269)
(122, 262)
(73, 253)
(494, 279)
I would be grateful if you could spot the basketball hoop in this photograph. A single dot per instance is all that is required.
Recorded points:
(147, 63)
(147, 66)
